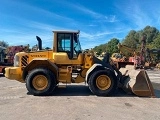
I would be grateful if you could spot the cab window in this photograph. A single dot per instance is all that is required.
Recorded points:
(64, 43)
(69, 43)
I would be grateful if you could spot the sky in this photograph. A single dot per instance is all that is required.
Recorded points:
(98, 20)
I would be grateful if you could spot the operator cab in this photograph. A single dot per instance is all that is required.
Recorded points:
(67, 41)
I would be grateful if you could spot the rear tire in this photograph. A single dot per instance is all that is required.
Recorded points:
(3, 71)
(102, 83)
(40, 81)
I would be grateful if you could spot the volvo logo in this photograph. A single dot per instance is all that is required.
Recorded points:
(38, 55)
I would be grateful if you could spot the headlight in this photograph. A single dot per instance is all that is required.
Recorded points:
(16, 61)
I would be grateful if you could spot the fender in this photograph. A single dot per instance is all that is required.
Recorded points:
(92, 69)
(43, 62)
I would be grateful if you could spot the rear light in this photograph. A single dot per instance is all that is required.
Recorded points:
(16, 61)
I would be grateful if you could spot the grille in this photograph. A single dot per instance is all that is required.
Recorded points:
(24, 61)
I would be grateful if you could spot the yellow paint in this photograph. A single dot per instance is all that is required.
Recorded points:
(64, 76)
(62, 58)
(14, 73)
(40, 82)
(103, 82)
(79, 79)
(88, 61)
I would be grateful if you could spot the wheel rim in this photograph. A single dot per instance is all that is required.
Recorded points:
(103, 82)
(40, 82)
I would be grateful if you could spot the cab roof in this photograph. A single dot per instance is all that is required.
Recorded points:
(66, 31)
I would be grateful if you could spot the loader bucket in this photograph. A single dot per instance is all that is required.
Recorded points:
(137, 82)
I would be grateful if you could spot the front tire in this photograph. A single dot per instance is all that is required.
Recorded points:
(102, 83)
(40, 81)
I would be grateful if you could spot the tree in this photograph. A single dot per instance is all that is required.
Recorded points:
(151, 33)
(156, 43)
(132, 39)
(4, 44)
(112, 46)
(99, 49)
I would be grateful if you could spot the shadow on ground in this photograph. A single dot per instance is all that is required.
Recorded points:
(82, 90)
(156, 87)
(1, 75)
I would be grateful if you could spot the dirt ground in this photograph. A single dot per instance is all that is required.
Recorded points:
(76, 102)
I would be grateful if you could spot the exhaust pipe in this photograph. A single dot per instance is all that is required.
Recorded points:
(39, 42)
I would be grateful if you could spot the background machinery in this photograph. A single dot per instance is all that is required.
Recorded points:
(140, 58)
(149, 58)
(132, 57)
(43, 70)
(7, 55)
(153, 57)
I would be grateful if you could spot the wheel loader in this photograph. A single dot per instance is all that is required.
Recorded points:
(43, 70)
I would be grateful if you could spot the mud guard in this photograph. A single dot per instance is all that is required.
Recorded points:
(91, 69)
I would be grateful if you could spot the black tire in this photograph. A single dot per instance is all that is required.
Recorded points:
(3, 71)
(44, 73)
(111, 83)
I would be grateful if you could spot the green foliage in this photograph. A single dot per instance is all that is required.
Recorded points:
(133, 40)
(156, 43)
(99, 49)
(112, 46)
(109, 47)
(151, 33)
(4, 44)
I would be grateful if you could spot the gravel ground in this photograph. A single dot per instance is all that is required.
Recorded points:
(76, 102)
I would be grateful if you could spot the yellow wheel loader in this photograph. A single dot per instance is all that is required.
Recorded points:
(66, 63)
